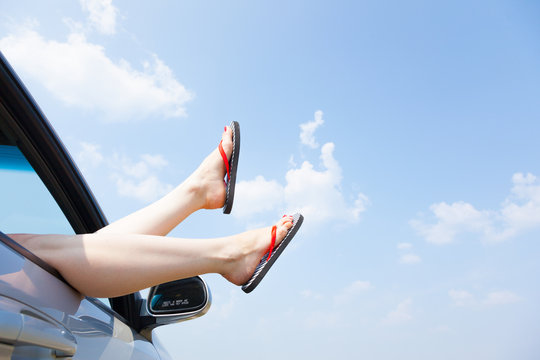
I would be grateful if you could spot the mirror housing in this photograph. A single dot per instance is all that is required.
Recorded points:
(180, 297)
(173, 302)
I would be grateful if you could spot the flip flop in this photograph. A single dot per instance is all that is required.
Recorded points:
(271, 256)
(231, 165)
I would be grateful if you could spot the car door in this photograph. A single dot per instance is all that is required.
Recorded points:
(42, 317)
(41, 191)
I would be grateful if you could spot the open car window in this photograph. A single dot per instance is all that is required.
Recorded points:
(27, 205)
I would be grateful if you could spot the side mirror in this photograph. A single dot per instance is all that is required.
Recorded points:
(180, 297)
(173, 302)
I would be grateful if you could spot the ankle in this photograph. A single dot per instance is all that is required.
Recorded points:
(226, 256)
(192, 192)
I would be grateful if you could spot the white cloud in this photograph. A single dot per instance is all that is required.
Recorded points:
(225, 309)
(360, 205)
(464, 298)
(292, 163)
(451, 220)
(308, 294)
(317, 194)
(402, 313)
(141, 168)
(136, 180)
(521, 210)
(146, 190)
(80, 74)
(348, 294)
(404, 246)
(308, 130)
(256, 196)
(101, 15)
(501, 298)
(518, 213)
(157, 161)
(461, 297)
(89, 156)
(314, 193)
(409, 259)
(336, 315)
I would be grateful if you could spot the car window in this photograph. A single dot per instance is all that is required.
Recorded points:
(27, 205)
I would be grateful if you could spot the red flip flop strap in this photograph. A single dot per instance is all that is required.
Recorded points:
(271, 248)
(225, 160)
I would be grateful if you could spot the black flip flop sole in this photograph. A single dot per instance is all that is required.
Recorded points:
(264, 266)
(233, 167)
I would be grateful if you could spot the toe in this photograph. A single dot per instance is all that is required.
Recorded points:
(283, 226)
(227, 140)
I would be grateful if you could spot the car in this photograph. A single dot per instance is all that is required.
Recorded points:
(42, 191)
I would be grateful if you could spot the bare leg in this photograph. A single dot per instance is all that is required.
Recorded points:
(109, 265)
(204, 189)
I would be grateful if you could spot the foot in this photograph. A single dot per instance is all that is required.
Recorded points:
(247, 249)
(207, 182)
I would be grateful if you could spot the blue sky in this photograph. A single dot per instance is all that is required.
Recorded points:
(406, 132)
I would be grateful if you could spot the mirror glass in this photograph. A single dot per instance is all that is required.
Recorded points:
(178, 297)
